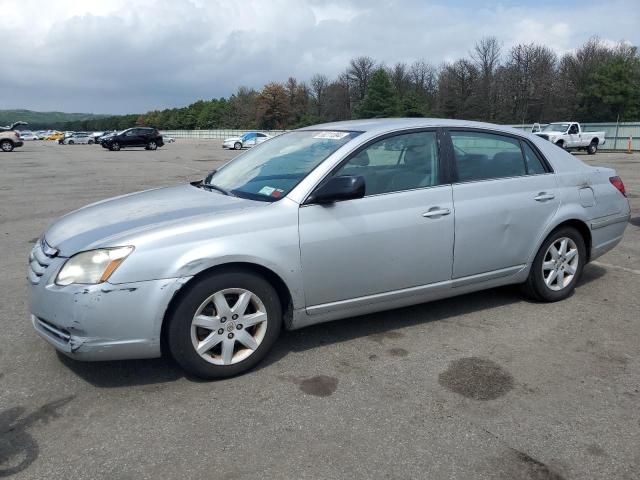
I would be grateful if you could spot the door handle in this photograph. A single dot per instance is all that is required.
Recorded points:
(544, 196)
(436, 212)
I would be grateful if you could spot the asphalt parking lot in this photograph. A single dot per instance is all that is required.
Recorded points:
(486, 385)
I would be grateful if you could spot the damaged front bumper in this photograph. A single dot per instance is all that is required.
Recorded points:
(105, 321)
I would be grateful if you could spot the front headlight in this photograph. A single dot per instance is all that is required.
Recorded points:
(92, 267)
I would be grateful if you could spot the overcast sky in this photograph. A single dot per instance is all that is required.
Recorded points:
(130, 56)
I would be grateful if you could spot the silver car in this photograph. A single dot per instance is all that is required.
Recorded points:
(319, 224)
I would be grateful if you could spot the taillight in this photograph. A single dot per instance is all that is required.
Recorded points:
(617, 182)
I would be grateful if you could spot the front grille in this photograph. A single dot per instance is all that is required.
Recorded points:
(39, 259)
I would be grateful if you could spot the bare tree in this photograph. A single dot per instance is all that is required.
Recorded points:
(358, 75)
(319, 84)
(486, 56)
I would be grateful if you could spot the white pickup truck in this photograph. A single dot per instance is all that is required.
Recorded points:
(570, 136)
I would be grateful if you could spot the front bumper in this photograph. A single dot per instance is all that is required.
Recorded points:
(101, 322)
(18, 143)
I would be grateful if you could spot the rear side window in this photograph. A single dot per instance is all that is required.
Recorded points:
(482, 155)
(534, 165)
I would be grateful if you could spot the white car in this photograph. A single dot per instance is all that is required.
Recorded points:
(247, 140)
(168, 139)
(27, 135)
(80, 139)
(570, 136)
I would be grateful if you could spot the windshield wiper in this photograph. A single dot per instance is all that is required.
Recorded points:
(217, 188)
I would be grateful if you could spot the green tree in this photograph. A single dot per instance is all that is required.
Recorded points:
(379, 100)
(614, 89)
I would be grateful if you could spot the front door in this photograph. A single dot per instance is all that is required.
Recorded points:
(504, 198)
(400, 235)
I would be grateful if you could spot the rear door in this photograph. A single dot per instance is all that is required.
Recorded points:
(504, 195)
(400, 235)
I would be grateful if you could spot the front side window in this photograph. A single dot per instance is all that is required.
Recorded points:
(272, 169)
(398, 163)
(482, 155)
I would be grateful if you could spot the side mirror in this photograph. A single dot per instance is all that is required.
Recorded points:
(339, 188)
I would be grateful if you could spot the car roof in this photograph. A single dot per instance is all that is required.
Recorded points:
(382, 125)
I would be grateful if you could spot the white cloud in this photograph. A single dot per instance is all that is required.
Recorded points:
(134, 55)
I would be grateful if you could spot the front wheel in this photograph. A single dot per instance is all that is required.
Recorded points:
(558, 266)
(115, 146)
(224, 324)
(152, 145)
(71, 142)
(592, 148)
(6, 146)
(237, 146)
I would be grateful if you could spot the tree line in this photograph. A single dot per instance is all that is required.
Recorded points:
(523, 84)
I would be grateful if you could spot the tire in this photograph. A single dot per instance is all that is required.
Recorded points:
(237, 146)
(545, 286)
(6, 145)
(560, 144)
(114, 147)
(71, 142)
(90, 142)
(215, 361)
(152, 145)
(592, 148)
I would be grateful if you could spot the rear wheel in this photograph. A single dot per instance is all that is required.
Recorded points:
(592, 148)
(90, 142)
(225, 324)
(6, 145)
(237, 146)
(115, 146)
(558, 266)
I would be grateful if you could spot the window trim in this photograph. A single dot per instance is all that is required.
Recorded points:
(453, 166)
(443, 163)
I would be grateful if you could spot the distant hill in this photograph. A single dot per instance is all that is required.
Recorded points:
(38, 120)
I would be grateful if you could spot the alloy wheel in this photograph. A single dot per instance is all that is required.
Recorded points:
(560, 263)
(229, 326)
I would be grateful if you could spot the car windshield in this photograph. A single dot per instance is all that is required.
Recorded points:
(556, 127)
(270, 170)
(247, 136)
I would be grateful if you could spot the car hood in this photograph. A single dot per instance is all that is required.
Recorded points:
(110, 221)
(232, 139)
(549, 132)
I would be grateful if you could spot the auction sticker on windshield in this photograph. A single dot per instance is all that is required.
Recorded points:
(331, 135)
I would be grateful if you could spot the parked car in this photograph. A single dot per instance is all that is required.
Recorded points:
(9, 139)
(78, 138)
(167, 139)
(247, 140)
(569, 135)
(55, 136)
(146, 137)
(319, 224)
(27, 135)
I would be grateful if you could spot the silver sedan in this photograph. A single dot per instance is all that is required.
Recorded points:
(319, 224)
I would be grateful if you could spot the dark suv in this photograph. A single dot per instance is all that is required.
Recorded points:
(146, 137)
